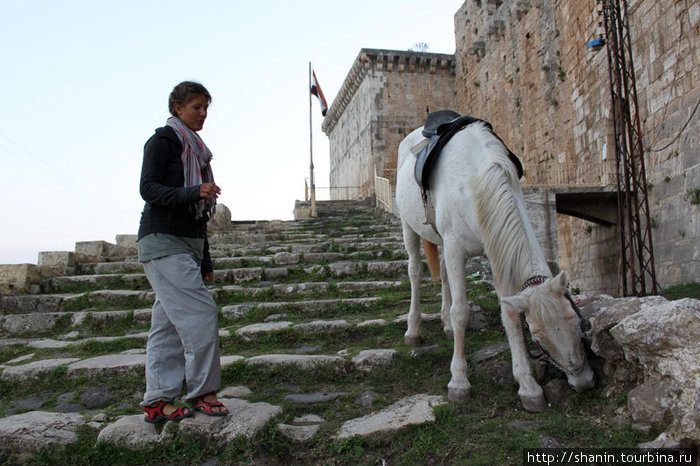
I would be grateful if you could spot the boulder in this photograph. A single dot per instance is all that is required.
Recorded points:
(652, 347)
(220, 220)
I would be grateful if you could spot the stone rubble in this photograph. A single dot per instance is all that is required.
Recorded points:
(651, 346)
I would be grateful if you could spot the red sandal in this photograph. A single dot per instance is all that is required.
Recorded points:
(154, 413)
(207, 407)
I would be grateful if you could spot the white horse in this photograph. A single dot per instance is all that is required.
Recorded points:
(480, 209)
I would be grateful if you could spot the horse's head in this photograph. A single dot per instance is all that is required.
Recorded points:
(556, 327)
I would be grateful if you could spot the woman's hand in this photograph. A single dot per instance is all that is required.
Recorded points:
(209, 191)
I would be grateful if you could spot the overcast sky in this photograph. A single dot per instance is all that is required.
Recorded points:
(85, 83)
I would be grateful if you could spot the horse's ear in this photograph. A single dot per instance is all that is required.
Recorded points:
(559, 282)
(517, 302)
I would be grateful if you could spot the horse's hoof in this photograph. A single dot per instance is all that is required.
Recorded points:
(413, 341)
(449, 334)
(459, 395)
(535, 404)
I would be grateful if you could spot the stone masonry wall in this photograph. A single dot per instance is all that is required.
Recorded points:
(524, 66)
(385, 96)
(351, 164)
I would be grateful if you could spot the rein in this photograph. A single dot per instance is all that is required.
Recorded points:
(584, 323)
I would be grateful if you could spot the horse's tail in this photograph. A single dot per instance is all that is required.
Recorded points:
(433, 258)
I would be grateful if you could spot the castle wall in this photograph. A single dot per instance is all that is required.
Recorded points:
(351, 146)
(524, 66)
(385, 96)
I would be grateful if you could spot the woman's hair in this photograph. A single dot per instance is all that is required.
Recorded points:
(183, 92)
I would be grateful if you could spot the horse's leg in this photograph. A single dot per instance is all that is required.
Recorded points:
(530, 392)
(459, 388)
(446, 299)
(411, 241)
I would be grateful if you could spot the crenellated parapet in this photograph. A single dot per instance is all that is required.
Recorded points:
(384, 61)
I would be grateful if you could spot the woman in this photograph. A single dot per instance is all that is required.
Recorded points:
(178, 186)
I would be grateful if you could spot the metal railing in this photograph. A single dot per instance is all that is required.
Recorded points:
(383, 192)
(328, 193)
(569, 175)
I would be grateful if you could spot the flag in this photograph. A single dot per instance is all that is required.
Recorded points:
(316, 90)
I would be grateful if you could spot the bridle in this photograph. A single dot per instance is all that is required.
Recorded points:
(584, 323)
(539, 279)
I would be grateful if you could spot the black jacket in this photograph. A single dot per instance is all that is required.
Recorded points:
(169, 204)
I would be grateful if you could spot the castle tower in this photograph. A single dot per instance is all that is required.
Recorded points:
(385, 96)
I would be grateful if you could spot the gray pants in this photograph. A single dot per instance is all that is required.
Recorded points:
(183, 343)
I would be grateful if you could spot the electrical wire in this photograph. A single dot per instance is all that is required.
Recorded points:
(42, 166)
(690, 118)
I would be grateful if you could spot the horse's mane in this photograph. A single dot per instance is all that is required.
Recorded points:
(503, 233)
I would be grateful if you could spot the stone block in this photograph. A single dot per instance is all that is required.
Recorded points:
(19, 278)
(302, 210)
(247, 275)
(220, 220)
(128, 242)
(56, 259)
(93, 251)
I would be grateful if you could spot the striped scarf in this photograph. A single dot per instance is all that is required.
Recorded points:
(196, 158)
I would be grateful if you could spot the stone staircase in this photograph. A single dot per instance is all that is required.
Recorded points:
(314, 365)
(318, 297)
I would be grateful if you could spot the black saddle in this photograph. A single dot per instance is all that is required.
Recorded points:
(439, 127)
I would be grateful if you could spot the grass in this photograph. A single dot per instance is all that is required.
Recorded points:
(492, 428)
(686, 290)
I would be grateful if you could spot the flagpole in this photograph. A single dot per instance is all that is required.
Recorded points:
(311, 150)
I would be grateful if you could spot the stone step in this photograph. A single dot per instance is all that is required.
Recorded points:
(227, 270)
(50, 343)
(340, 251)
(248, 239)
(46, 303)
(42, 323)
(38, 430)
(128, 363)
(22, 304)
(104, 281)
(221, 252)
(237, 311)
(109, 365)
(228, 250)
